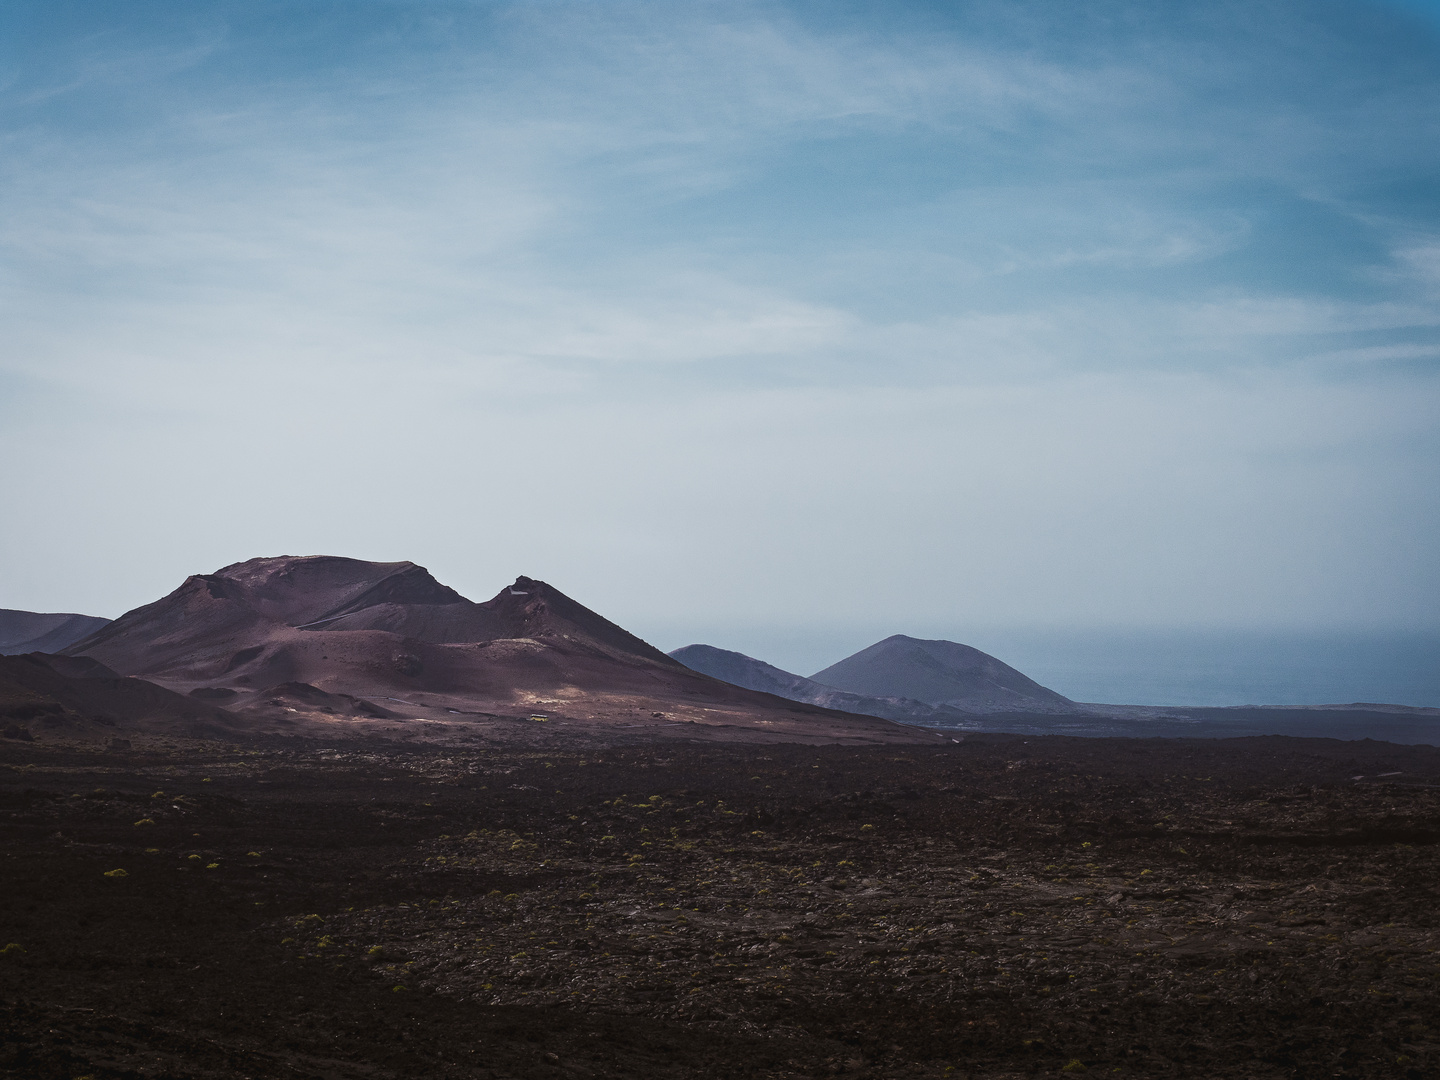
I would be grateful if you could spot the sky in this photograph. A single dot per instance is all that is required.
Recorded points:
(733, 319)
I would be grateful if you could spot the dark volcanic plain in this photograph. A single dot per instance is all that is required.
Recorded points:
(553, 907)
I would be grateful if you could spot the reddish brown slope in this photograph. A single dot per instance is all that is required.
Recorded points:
(392, 634)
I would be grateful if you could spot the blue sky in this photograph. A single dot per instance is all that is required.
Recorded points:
(920, 316)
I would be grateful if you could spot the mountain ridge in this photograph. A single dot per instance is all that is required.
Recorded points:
(981, 700)
(292, 639)
(753, 674)
(335, 594)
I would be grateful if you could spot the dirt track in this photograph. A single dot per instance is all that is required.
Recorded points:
(1003, 907)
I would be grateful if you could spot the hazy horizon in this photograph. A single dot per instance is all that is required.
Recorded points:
(1149, 666)
(1134, 665)
(1016, 314)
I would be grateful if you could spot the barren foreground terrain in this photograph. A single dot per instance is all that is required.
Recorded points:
(1002, 906)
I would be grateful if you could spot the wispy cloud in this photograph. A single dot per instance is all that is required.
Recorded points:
(813, 300)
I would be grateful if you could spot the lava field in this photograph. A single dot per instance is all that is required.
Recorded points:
(999, 907)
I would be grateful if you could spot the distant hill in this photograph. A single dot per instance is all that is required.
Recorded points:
(941, 673)
(34, 631)
(746, 671)
(315, 640)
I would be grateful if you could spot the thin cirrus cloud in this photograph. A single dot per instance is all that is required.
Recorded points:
(1105, 312)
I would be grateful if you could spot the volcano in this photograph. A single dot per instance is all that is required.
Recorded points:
(941, 673)
(296, 641)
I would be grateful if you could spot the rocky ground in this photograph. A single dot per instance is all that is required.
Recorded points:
(998, 907)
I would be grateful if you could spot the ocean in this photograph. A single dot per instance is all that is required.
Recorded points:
(1191, 667)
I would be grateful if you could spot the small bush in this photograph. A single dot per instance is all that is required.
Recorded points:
(116, 873)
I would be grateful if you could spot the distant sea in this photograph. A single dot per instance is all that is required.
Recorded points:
(1226, 667)
(1150, 667)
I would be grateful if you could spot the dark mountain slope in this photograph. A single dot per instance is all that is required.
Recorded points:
(746, 671)
(526, 609)
(941, 673)
(42, 694)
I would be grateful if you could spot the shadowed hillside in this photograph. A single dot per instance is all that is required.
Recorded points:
(34, 631)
